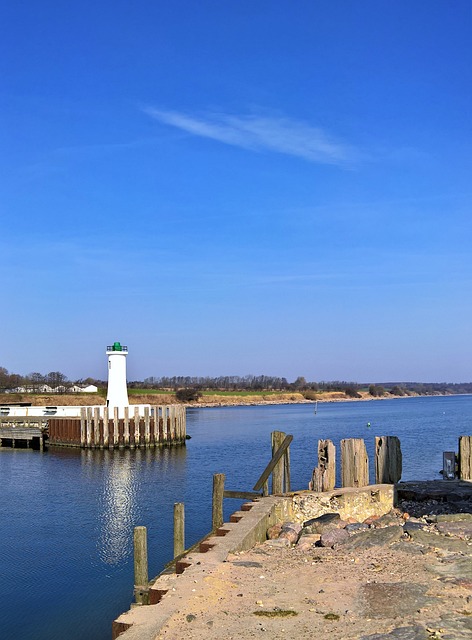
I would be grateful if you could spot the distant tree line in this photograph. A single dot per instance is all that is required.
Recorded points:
(35, 382)
(273, 383)
(55, 379)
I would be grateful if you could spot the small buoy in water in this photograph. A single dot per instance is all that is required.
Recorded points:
(368, 425)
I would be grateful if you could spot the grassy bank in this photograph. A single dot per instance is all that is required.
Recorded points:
(208, 399)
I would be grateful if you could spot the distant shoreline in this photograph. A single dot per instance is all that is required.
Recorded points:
(329, 397)
(207, 401)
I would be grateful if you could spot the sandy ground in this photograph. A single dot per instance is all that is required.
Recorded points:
(404, 589)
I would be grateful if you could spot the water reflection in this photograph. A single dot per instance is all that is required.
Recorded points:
(121, 479)
(117, 506)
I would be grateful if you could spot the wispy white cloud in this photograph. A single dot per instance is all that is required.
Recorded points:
(262, 133)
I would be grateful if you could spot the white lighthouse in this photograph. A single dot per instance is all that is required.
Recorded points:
(117, 395)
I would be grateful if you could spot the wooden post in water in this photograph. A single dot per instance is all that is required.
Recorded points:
(89, 427)
(388, 460)
(278, 473)
(217, 502)
(141, 579)
(324, 475)
(354, 463)
(126, 428)
(137, 435)
(177, 423)
(106, 427)
(173, 415)
(146, 426)
(83, 438)
(180, 418)
(114, 440)
(96, 427)
(160, 413)
(171, 423)
(465, 458)
(179, 528)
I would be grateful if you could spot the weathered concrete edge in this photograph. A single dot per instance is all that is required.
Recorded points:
(247, 528)
(145, 622)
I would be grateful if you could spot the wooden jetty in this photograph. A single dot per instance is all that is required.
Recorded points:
(25, 432)
(96, 429)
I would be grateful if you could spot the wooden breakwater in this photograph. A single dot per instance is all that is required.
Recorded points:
(388, 463)
(160, 425)
(97, 428)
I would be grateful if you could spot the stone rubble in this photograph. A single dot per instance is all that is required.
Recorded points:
(431, 526)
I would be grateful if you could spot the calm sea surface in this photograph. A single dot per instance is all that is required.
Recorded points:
(66, 528)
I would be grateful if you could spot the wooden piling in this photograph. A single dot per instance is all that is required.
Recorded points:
(147, 431)
(465, 458)
(141, 579)
(114, 440)
(388, 460)
(96, 427)
(179, 528)
(83, 438)
(265, 488)
(89, 427)
(217, 501)
(324, 475)
(126, 426)
(106, 428)
(354, 463)
(137, 435)
(278, 473)
(287, 471)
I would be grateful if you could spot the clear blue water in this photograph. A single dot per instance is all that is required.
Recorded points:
(66, 528)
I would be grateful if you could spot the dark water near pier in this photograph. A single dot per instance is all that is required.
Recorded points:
(67, 516)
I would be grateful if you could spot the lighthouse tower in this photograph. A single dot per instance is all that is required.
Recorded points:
(117, 395)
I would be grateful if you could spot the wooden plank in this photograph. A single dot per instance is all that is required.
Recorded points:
(268, 470)
(242, 495)
(19, 433)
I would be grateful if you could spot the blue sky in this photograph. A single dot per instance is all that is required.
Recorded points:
(228, 188)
